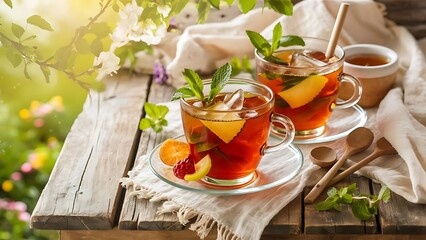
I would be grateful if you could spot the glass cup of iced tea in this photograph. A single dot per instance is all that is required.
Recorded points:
(306, 85)
(233, 130)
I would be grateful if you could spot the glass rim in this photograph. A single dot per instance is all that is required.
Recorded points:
(328, 65)
(269, 100)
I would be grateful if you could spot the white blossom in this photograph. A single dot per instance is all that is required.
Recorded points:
(164, 10)
(109, 64)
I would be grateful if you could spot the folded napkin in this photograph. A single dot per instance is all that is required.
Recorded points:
(401, 117)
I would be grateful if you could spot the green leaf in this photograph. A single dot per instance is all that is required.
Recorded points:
(291, 40)
(351, 188)
(38, 21)
(236, 66)
(203, 9)
(246, 5)
(246, 64)
(195, 83)
(325, 205)
(215, 3)
(177, 6)
(282, 6)
(14, 58)
(276, 37)
(96, 47)
(162, 111)
(152, 110)
(332, 191)
(360, 209)
(17, 30)
(219, 80)
(46, 73)
(259, 42)
(101, 30)
(384, 194)
(8, 3)
(145, 123)
(229, 2)
(183, 92)
(82, 46)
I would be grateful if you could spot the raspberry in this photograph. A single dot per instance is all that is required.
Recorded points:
(183, 167)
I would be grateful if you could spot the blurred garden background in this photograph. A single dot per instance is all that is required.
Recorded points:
(35, 115)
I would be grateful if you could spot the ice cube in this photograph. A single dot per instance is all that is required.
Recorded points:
(235, 100)
(306, 59)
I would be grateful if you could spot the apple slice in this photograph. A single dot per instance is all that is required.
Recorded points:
(304, 92)
(226, 125)
(202, 168)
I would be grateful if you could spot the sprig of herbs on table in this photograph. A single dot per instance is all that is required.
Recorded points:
(364, 206)
(156, 114)
(267, 48)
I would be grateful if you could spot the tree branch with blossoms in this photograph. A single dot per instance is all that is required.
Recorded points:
(142, 24)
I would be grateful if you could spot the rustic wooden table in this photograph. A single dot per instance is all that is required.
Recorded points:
(83, 192)
(84, 200)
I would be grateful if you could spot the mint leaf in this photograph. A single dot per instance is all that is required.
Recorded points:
(363, 206)
(246, 5)
(219, 80)
(259, 42)
(360, 209)
(276, 37)
(155, 117)
(384, 194)
(291, 40)
(38, 21)
(183, 92)
(195, 83)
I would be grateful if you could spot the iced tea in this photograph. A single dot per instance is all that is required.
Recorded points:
(306, 84)
(235, 138)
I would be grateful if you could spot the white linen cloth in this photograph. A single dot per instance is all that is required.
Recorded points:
(401, 116)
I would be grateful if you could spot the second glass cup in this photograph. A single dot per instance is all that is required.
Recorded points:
(234, 130)
(307, 88)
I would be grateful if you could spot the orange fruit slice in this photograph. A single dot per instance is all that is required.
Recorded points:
(304, 92)
(202, 168)
(225, 125)
(172, 151)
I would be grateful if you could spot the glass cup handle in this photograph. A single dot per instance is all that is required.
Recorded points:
(356, 84)
(286, 139)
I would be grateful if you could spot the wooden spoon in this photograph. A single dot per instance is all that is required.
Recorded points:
(357, 141)
(323, 156)
(383, 147)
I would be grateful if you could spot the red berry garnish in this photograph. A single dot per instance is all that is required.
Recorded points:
(183, 167)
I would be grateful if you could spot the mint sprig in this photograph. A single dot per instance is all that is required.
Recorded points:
(364, 206)
(267, 48)
(195, 84)
(155, 118)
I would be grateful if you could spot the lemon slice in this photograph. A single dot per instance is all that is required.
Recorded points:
(202, 168)
(304, 92)
(225, 125)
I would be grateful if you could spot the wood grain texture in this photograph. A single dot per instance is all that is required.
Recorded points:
(83, 191)
(399, 216)
(408, 13)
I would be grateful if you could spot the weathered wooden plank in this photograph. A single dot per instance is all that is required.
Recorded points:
(399, 216)
(140, 213)
(408, 13)
(333, 222)
(288, 220)
(83, 190)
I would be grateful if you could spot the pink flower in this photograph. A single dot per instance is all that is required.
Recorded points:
(3, 204)
(26, 167)
(16, 176)
(38, 123)
(24, 216)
